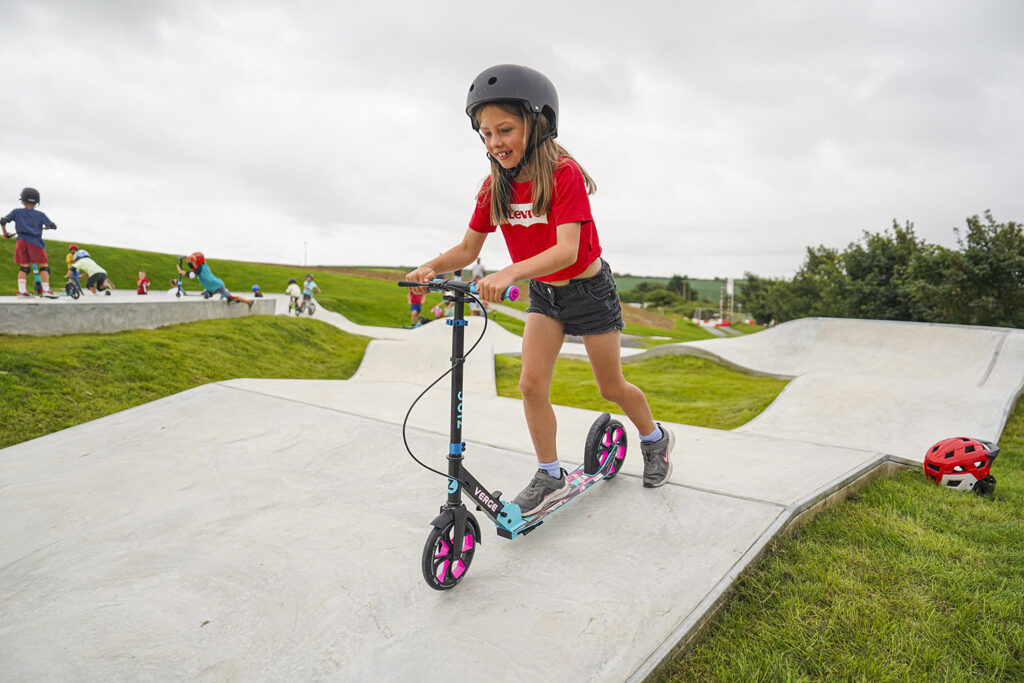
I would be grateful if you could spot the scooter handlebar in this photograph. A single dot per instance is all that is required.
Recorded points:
(12, 235)
(510, 294)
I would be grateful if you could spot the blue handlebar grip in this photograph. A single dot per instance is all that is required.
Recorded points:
(510, 294)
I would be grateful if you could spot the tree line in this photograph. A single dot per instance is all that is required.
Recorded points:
(895, 275)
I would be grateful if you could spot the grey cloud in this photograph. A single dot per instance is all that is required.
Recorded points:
(720, 139)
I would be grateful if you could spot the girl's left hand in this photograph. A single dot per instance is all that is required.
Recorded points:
(494, 285)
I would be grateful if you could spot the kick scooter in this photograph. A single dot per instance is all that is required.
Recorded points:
(455, 532)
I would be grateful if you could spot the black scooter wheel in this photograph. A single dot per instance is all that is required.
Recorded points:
(442, 570)
(605, 448)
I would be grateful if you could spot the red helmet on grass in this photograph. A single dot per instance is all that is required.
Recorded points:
(962, 463)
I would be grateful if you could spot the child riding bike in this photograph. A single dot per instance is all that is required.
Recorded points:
(294, 294)
(307, 293)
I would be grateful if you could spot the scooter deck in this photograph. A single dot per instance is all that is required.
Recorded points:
(579, 480)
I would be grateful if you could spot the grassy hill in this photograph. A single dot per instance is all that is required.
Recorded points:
(365, 300)
(50, 383)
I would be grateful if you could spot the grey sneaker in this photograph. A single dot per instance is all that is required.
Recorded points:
(657, 466)
(543, 489)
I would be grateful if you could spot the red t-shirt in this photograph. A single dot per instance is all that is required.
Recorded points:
(527, 235)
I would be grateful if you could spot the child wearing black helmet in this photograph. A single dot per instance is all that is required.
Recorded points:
(538, 195)
(293, 292)
(30, 248)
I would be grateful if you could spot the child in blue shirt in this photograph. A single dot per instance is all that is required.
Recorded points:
(200, 270)
(307, 289)
(30, 249)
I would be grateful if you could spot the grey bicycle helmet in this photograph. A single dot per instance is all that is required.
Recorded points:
(30, 194)
(514, 82)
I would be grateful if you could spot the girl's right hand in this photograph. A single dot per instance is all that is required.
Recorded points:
(424, 273)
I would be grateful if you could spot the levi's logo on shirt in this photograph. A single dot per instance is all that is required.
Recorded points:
(522, 214)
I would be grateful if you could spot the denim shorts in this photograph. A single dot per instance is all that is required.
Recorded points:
(584, 306)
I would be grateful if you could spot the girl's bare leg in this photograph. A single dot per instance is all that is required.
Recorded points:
(603, 351)
(542, 339)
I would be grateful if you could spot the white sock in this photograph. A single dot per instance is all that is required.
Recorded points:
(554, 469)
(653, 436)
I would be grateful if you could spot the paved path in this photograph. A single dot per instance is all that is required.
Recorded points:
(272, 529)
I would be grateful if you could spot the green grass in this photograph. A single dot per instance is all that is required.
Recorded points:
(684, 331)
(747, 328)
(513, 325)
(681, 389)
(906, 581)
(50, 383)
(650, 336)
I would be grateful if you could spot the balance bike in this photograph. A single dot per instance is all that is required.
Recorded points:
(72, 286)
(455, 533)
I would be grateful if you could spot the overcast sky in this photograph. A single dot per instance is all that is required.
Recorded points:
(724, 137)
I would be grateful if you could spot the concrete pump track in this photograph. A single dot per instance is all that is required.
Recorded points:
(272, 529)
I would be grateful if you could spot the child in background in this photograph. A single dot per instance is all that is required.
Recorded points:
(142, 282)
(200, 270)
(98, 279)
(415, 307)
(30, 250)
(256, 293)
(293, 291)
(538, 195)
(69, 258)
(307, 290)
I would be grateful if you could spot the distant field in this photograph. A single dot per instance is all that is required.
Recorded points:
(705, 289)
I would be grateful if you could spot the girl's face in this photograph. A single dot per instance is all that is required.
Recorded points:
(504, 134)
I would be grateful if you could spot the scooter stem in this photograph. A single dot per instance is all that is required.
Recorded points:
(456, 445)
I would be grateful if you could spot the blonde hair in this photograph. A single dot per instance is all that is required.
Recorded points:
(540, 165)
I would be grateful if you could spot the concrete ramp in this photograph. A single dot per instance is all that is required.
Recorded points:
(422, 354)
(891, 387)
(123, 310)
(870, 347)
